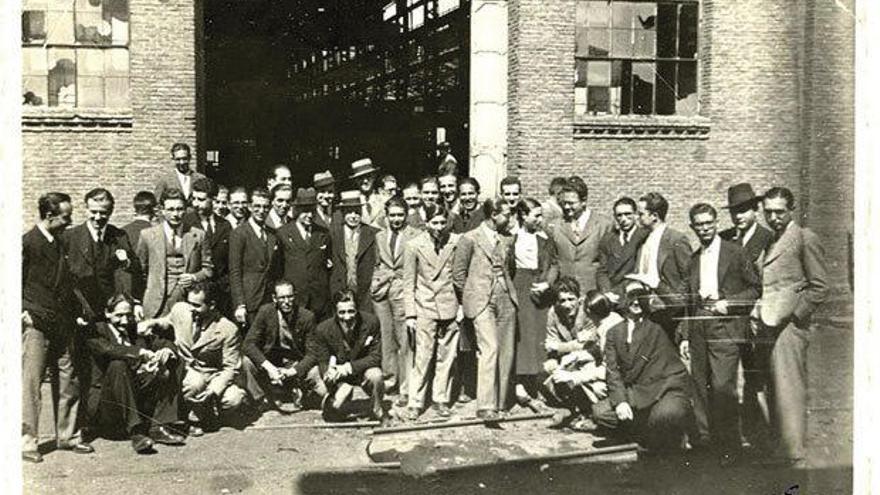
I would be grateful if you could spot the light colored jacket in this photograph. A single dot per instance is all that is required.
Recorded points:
(428, 289)
(578, 253)
(151, 251)
(388, 274)
(794, 278)
(472, 270)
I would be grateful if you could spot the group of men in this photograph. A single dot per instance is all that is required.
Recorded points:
(216, 298)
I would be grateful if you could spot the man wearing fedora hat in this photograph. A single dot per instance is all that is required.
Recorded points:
(305, 249)
(363, 174)
(352, 255)
(325, 189)
(746, 231)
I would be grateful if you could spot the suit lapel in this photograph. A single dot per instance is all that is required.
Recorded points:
(723, 262)
(783, 244)
(484, 242)
(383, 239)
(365, 240)
(445, 253)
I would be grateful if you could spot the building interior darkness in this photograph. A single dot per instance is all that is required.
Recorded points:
(319, 84)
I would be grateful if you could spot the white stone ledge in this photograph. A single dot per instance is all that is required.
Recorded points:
(41, 119)
(641, 127)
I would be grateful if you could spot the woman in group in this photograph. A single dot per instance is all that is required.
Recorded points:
(534, 269)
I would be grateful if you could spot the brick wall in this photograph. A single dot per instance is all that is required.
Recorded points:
(775, 91)
(74, 159)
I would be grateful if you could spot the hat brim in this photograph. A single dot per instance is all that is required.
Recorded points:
(350, 204)
(324, 183)
(747, 202)
(361, 173)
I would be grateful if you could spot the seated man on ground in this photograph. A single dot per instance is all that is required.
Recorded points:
(210, 347)
(277, 363)
(648, 388)
(348, 348)
(135, 380)
(574, 358)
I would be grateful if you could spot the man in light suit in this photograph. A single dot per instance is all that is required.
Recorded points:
(209, 347)
(482, 276)
(174, 257)
(794, 285)
(182, 177)
(722, 289)
(577, 236)
(387, 292)
(254, 260)
(432, 312)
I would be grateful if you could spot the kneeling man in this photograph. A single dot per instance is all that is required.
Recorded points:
(348, 348)
(136, 380)
(277, 364)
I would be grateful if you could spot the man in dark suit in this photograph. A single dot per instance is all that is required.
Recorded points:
(277, 363)
(217, 231)
(281, 196)
(47, 329)
(182, 177)
(618, 249)
(254, 260)
(305, 248)
(135, 380)
(325, 194)
(470, 215)
(722, 289)
(754, 239)
(101, 259)
(663, 263)
(348, 349)
(795, 283)
(647, 383)
(144, 216)
(353, 253)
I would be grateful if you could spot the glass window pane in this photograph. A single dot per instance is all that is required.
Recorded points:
(626, 87)
(33, 26)
(644, 44)
(597, 40)
(416, 17)
(616, 91)
(34, 90)
(644, 15)
(643, 88)
(580, 101)
(622, 15)
(62, 77)
(687, 103)
(580, 40)
(599, 73)
(90, 62)
(390, 10)
(665, 88)
(34, 5)
(90, 26)
(34, 61)
(90, 91)
(597, 14)
(444, 6)
(580, 73)
(687, 31)
(116, 92)
(597, 100)
(666, 29)
(622, 43)
(59, 26)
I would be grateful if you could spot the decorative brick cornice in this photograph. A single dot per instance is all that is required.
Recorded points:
(641, 128)
(42, 119)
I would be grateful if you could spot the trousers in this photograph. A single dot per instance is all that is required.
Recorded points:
(436, 350)
(788, 389)
(396, 356)
(658, 427)
(495, 329)
(258, 386)
(371, 381)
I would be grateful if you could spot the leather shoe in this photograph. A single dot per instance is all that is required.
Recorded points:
(442, 410)
(77, 448)
(160, 434)
(562, 418)
(487, 415)
(142, 444)
(195, 431)
(32, 456)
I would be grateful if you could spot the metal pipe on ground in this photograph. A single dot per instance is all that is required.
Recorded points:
(454, 424)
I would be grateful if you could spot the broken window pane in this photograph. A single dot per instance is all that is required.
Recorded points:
(59, 23)
(597, 39)
(598, 100)
(665, 88)
(33, 26)
(62, 77)
(644, 16)
(667, 19)
(687, 103)
(643, 88)
(687, 31)
(34, 72)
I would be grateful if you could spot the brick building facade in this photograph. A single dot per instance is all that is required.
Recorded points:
(774, 86)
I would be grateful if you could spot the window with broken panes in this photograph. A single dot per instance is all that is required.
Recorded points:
(636, 57)
(75, 53)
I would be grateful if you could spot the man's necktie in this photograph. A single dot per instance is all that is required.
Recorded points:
(393, 244)
(209, 229)
(308, 233)
(196, 327)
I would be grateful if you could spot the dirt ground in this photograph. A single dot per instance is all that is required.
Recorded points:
(319, 461)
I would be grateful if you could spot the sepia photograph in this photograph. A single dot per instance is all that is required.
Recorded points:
(438, 246)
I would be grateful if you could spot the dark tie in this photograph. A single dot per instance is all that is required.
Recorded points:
(197, 327)
(393, 244)
(209, 230)
(308, 232)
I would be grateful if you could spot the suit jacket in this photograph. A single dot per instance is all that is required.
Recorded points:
(673, 266)
(414, 220)
(217, 350)
(552, 213)
(273, 224)
(363, 348)
(548, 265)
(46, 281)
(219, 245)
(366, 262)
(262, 337)
(579, 252)
(642, 372)
(133, 230)
(388, 273)
(795, 280)
(738, 283)
(253, 266)
(305, 265)
(169, 181)
(472, 272)
(757, 244)
(104, 348)
(152, 252)
(335, 218)
(616, 261)
(428, 290)
(460, 224)
(96, 278)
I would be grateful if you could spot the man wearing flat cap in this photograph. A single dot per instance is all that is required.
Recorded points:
(352, 257)
(305, 247)
(325, 189)
(363, 174)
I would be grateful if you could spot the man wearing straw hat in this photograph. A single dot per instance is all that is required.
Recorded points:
(722, 289)
(363, 174)
(353, 256)
(325, 195)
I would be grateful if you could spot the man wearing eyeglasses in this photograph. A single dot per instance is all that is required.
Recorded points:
(618, 249)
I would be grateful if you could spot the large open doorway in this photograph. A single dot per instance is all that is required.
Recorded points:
(319, 84)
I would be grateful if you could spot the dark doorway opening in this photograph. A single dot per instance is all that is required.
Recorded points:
(319, 84)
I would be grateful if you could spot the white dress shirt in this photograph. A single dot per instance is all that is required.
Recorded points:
(49, 237)
(648, 268)
(526, 250)
(709, 269)
(185, 181)
(97, 235)
(171, 235)
(257, 229)
(749, 233)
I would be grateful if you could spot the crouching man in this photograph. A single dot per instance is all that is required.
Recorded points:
(278, 367)
(648, 398)
(209, 346)
(348, 348)
(136, 380)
